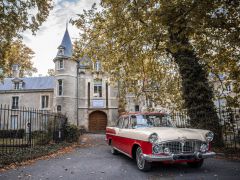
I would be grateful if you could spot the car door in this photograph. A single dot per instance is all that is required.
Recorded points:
(123, 134)
(128, 133)
(117, 141)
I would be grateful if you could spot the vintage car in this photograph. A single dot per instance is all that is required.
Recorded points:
(149, 137)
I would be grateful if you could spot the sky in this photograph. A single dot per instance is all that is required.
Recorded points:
(50, 34)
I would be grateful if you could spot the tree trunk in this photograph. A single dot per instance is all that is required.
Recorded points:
(197, 93)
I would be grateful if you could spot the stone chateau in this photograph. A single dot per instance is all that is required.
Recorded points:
(79, 89)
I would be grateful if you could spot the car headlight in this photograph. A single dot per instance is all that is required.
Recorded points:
(209, 136)
(159, 148)
(204, 148)
(153, 138)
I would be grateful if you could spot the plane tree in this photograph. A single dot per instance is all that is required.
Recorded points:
(17, 16)
(195, 37)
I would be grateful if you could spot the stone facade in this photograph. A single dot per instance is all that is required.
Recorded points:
(89, 100)
(28, 98)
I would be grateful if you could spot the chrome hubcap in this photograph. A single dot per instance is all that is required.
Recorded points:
(140, 159)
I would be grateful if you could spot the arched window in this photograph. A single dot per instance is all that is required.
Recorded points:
(59, 108)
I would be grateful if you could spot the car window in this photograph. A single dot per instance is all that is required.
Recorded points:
(141, 121)
(132, 121)
(120, 121)
(125, 123)
(153, 120)
(159, 120)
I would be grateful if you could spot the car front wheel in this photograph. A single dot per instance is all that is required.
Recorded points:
(196, 164)
(142, 164)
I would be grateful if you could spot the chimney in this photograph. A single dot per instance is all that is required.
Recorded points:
(15, 70)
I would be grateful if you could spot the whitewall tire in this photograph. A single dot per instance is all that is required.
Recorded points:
(142, 164)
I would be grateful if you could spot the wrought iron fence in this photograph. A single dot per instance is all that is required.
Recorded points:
(229, 121)
(27, 127)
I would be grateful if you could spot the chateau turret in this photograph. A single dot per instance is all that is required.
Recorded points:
(65, 81)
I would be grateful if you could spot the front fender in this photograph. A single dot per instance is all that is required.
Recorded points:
(145, 146)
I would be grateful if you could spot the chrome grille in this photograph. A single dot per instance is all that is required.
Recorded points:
(188, 146)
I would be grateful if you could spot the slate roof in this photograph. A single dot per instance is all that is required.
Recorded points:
(30, 83)
(67, 44)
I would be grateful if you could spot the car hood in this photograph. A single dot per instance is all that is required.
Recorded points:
(170, 133)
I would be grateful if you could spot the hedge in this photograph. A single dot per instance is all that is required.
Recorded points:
(18, 133)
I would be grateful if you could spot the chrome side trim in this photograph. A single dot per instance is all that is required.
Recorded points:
(174, 157)
(122, 152)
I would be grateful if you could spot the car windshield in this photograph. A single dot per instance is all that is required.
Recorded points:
(153, 120)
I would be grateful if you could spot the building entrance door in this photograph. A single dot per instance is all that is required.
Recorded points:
(97, 121)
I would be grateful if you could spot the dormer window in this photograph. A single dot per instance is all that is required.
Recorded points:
(61, 51)
(98, 66)
(85, 63)
(16, 85)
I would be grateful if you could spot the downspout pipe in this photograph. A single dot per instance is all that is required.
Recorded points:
(77, 91)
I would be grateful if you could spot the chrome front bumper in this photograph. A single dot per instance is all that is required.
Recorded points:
(174, 157)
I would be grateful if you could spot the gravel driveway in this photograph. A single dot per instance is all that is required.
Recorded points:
(93, 160)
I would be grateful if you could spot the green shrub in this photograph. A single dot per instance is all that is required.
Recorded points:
(42, 138)
(12, 133)
(36, 134)
(71, 132)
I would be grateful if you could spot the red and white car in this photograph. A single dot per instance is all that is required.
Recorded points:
(149, 137)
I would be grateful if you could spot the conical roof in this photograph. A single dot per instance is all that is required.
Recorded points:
(66, 44)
